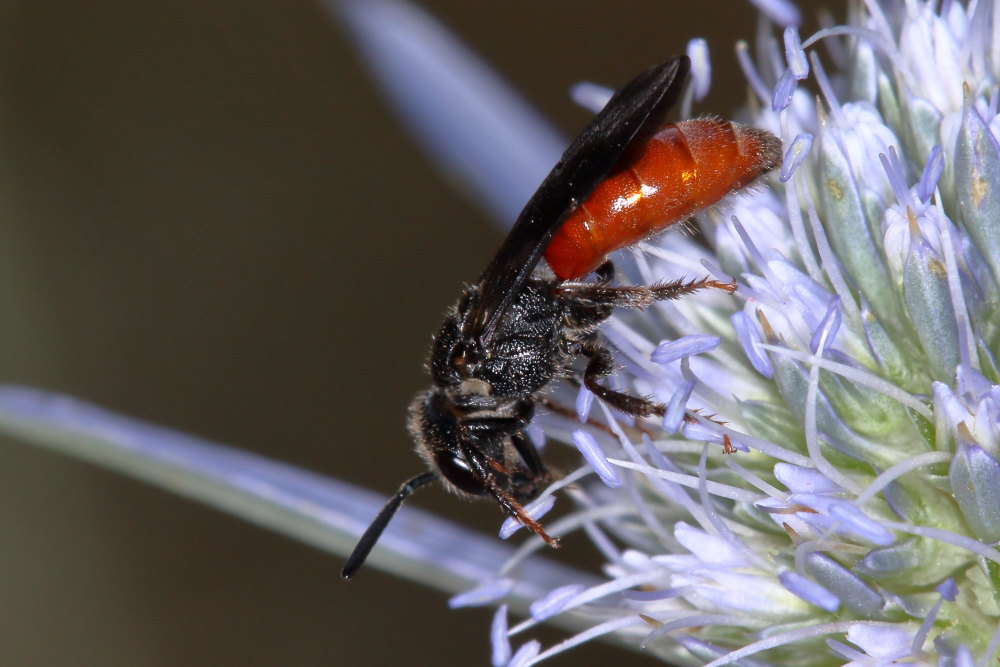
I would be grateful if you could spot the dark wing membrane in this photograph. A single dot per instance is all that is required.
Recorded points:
(632, 114)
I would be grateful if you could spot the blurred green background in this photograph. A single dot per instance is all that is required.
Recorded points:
(211, 221)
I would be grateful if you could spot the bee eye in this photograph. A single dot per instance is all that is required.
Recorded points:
(454, 469)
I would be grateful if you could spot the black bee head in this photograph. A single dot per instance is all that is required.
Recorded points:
(472, 462)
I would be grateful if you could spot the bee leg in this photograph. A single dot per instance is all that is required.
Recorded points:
(600, 365)
(600, 295)
(483, 467)
(530, 456)
(678, 288)
(585, 314)
(489, 428)
(478, 427)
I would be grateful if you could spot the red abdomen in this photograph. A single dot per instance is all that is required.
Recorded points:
(680, 170)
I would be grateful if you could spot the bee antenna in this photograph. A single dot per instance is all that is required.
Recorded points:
(378, 525)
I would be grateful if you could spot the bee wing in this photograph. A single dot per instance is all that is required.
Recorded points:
(632, 114)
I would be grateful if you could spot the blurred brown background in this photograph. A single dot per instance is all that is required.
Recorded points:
(210, 221)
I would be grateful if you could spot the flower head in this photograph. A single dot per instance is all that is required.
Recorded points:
(855, 370)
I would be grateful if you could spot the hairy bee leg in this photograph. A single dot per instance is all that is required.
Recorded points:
(584, 314)
(601, 295)
(571, 414)
(600, 365)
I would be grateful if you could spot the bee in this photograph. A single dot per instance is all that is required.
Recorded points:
(524, 324)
